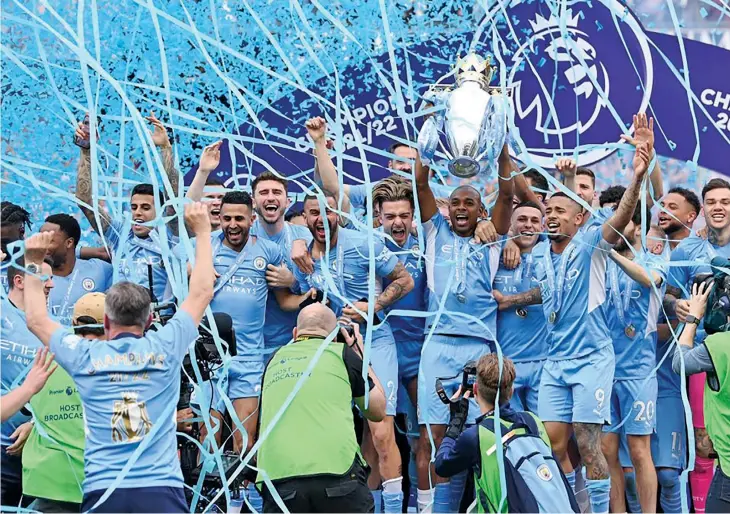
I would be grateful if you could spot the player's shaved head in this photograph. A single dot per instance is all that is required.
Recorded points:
(316, 320)
(466, 190)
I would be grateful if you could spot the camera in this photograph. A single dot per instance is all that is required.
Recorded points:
(208, 358)
(340, 337)
(468, 377)
(718, 303)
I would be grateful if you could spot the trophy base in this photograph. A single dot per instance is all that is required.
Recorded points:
(464, 167)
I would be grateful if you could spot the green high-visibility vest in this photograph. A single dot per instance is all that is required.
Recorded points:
(316, 434)
(487, 482)
(717, 396)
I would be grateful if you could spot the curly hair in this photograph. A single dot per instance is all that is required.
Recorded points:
(13, 214)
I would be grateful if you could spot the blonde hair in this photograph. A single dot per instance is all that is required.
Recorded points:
(392, 189)
(488, 378)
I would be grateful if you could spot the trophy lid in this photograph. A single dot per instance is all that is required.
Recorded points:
(474, 68)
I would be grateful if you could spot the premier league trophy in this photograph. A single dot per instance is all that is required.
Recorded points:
(471, 114)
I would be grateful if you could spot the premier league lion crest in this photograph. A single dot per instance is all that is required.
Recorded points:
(130, 421)
(574, 87)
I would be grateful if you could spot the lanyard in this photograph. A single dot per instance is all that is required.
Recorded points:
(556, 284)
(622, 307)
(223, 279)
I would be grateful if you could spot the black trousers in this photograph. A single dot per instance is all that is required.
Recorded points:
(325, 493)
(718, 497)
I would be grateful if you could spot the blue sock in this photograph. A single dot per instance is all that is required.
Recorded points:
(254, 498)
(442, 498)
(571, 480)
(599, 491)
(632, 494)
(458, 483)
(670, 498)
(377, 499)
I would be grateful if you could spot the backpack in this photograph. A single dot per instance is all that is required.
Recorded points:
(534, 480)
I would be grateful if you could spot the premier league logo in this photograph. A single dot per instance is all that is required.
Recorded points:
(578, 74)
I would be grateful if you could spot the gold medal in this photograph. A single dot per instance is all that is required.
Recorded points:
(630, 330)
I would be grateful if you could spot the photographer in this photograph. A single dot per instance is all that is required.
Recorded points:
(711, 357)
(534, 481)
(311, 451)
(129, 384)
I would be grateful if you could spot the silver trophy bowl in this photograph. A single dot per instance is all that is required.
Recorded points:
(473, 119)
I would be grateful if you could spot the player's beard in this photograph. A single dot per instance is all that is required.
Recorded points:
(58, 259)
(673, 227)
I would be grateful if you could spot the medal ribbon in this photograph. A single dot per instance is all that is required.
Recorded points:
(314, 281)
(556, 283)
(67, 297)
(621, 307)
(459, 255)
(223, 279)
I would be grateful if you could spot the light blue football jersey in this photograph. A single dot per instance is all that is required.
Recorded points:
(635, 355)
(460, 274)
(578, 326)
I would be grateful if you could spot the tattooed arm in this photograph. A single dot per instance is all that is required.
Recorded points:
(615, 225)
(401, 283)
(531, 297)
(84, 195)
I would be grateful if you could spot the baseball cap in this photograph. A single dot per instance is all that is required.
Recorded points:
(89, 309)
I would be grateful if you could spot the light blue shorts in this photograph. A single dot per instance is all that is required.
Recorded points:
(527, 382)
(669, 441)
(633, 407)
(445, 356)
(384, 361)
(242, 381)
(578, 390)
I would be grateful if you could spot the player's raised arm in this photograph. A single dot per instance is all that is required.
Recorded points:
(426, 199)
(502, 210)
(36, 305)
(615, 225)
(85, 184)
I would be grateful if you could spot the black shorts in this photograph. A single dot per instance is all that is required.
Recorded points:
(323, 493)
